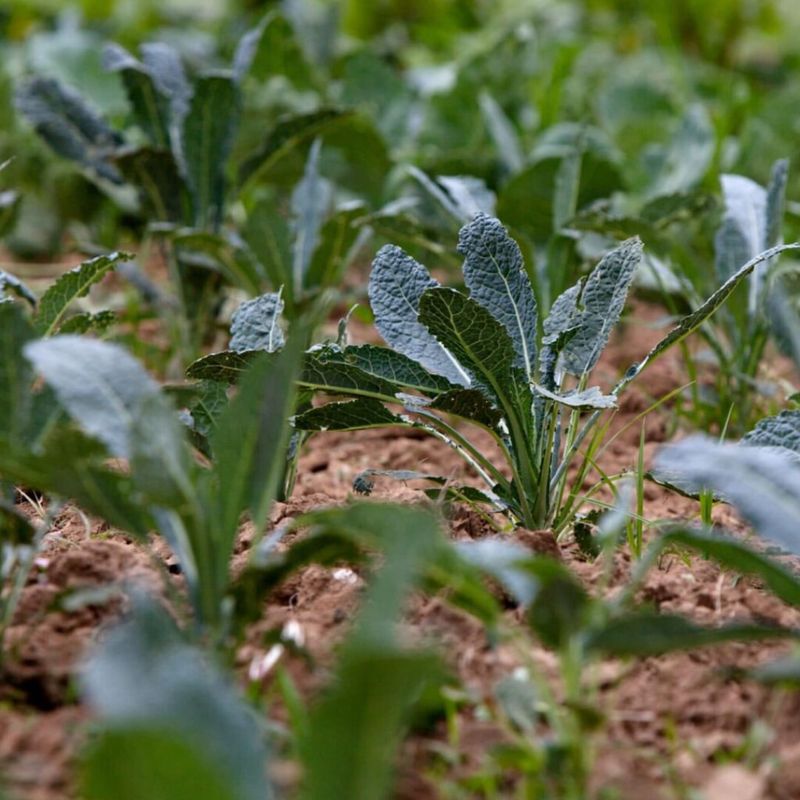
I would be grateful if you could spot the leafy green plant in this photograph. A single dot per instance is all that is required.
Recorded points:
(121, 412)
(739, 335)
(180, 160)
(484, 359)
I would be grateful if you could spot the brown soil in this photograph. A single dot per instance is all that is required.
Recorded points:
(672, 722)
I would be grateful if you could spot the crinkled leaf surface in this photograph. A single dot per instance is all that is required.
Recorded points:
(365, 412)
(588, 398)
(256, 324)
(72, 128)
(598, 307)
(227, 366)
(782, 430)
(396, 284)
(391, 366)
(495, 274)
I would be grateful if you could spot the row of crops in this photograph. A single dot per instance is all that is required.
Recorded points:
(228, 232)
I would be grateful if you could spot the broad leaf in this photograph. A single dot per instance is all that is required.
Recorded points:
(288, 134)
(394, 367)
(327, 369)
(743, 234)
(208, 133)
(501, 130)
(163, 190)
(151, 108)
(336, 240)
(311, 201)
(227, 366)
(16, 375)
(470, 404)
(588, 398)
(396, 284)
(495, 274)
(782, 430)
(183, 695)
(476, 339)
(268, 236)
(71, 128)
(101, 385)
(70, 286)
(256, 325)
(350, 415)
(762, 482)
(161, 464)
(597, 306)
(270, 50)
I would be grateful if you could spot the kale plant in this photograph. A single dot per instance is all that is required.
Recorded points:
(485, 358)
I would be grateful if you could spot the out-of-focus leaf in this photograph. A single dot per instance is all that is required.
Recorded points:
(268, 236)
(15, 372)
(208, 133)
(250, 440)
(646, 633)
(100, 385)
(311, 200)
(271, 49)
(289, 133)
(10, 283)
(71, 128)
(688, 156)
(762, 482)
(158, 178)
(184, 697)
(504, 137)
(337, 236)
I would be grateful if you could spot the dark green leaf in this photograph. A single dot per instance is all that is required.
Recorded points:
(289, 133)
(226, 366)
(16, 375)
(365, 412)
(69, 287)
(251, 438)
(156, 174)
(380, 362)
(151, 108)
(646, 633)
(495, 274)
(337, 237)
(71, 128)
(208, 133)
(271, 49)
